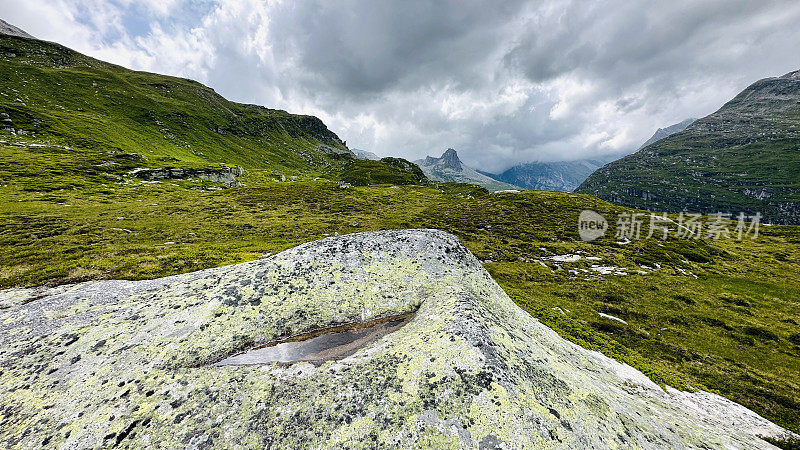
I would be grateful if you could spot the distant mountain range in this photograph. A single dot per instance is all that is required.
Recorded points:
(449, 168)
(567, 175)
(548, 176)
(662, 133)
(745, 157)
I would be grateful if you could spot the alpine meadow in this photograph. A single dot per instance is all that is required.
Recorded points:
(152, 231)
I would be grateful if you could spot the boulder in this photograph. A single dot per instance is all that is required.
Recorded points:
(133, 363)
(223, 175)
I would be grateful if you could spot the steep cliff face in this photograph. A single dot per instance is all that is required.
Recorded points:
(132, 363)
(743, 158)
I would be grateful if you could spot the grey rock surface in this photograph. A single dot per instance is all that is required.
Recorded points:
(223, 175)
(11, 30)
(130, 364)
(364, 154)
(662, 133)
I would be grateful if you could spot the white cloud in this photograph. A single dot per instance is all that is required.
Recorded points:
(502, 82)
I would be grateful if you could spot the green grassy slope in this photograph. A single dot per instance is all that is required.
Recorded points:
(733, 329)
(743, 158)
(386, 171)
(54, 95)
(720, 315)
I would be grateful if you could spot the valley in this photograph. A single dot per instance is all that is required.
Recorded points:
(112, 174)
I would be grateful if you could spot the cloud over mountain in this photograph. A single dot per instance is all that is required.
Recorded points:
(503, 82)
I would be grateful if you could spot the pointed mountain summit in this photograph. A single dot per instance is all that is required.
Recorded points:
(10, 30)
(449, 168)
(450, 160)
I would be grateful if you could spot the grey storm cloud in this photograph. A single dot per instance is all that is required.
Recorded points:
(359, 47)
(622, 42)
(501, 81)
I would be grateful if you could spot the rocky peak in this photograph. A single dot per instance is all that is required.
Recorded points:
(449, 168)
(662, 133)
(11, 30)
(448, 160)
(792, 75)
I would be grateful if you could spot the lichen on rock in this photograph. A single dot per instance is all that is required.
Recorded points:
(131, 363)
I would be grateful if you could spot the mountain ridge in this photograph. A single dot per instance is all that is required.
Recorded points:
(10, 30)
(742, 158)
(665, 132)
(568, 175)
(62, 97)
(364, 154)
(548, 176)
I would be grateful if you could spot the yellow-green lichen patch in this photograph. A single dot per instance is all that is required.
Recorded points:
(126, 364)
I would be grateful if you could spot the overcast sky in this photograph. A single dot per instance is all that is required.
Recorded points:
(500, 81)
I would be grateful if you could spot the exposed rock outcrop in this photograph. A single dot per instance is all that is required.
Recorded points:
(11, 30)
(223, 175)
(448, 160)
(364, 154)
(130, 363)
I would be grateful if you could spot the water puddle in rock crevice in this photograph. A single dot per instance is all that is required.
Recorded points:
(316, 347)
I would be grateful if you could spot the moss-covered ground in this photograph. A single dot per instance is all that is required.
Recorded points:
(720, 315)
